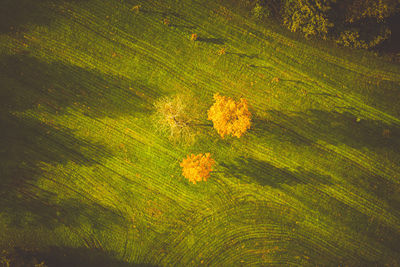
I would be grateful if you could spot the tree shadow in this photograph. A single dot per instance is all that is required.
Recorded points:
(346, 128)
(67, 257)
(343, 128)
(28, 144)
(292, 81)
(219, 41)
(30, 83)
(250, 170)
(15, 15)
(242, 55)
(260, 67)
(267, 129)
(392, 45)
(181, 26)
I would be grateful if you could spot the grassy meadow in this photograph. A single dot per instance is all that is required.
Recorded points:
(87, 178)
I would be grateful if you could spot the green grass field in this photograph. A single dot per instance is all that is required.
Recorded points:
(87, 180)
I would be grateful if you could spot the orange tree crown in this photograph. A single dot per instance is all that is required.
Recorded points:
(230, 116)
(197, 168)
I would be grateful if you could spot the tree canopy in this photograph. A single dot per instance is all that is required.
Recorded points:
(174, 116)
(197, 168)
(307, 16)
(355, 23)
(230, 116)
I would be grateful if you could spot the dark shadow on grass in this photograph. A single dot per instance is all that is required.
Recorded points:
(346, 128)
(220, 41)
(260, 67)
(67, 257)
(31, 144)
(27, 145)
(292, 81)
(309, 128)
(392, 45)
(15, 15)
(267, 129)
(31, 83)
(242, 55)
(364, 135)
(343, 128)
(250, 170)
(181, 26)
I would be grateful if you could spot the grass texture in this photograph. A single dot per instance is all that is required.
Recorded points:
(86, 175)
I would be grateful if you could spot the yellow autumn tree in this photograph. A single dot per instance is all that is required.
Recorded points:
(230, 116)
(197, 168)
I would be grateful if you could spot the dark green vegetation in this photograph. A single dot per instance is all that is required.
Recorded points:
(87, 178)
(354, 23)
